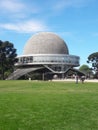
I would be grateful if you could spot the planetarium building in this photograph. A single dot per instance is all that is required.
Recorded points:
(45, 56)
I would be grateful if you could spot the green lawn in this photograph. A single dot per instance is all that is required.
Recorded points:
(29, 105)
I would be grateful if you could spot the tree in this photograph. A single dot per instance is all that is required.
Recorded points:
(93, 59)
(7, 57)
(85, 69)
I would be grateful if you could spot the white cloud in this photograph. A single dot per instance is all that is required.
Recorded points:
(19, 6)
(70, 3)
(25, 27)
(17, 9)
(11, 5)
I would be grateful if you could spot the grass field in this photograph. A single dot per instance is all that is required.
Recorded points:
(29, 105)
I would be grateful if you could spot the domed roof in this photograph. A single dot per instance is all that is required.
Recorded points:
(45, 43)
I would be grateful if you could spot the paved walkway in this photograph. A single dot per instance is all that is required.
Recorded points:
(73, 80)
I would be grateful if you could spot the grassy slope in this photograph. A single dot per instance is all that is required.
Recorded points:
(31, 105)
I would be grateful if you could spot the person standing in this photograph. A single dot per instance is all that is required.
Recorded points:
(76, 78)
(82, 79)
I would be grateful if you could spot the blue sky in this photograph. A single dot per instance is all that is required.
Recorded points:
(76, 21)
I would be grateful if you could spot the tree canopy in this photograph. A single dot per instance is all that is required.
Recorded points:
(85, 69)
(7, 58)
(93, 59)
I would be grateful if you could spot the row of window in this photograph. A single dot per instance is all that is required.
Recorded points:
(32, 59)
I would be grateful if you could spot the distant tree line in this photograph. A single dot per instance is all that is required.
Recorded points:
(87, 71)
(7, 58)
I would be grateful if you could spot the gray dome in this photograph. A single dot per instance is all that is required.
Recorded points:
(45, 43)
